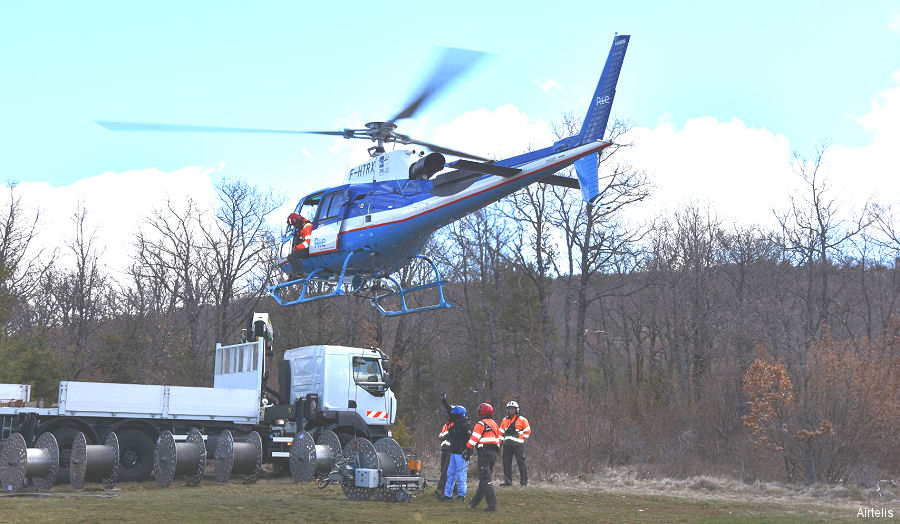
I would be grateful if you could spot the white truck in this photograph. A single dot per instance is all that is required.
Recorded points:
(342, 389)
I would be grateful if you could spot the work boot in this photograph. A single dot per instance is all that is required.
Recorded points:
(505, 484)
(490, 508)
(461, 498)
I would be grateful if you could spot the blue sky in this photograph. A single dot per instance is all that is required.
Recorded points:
(798, 72)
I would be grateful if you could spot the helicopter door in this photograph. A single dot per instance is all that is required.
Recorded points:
(328, 223)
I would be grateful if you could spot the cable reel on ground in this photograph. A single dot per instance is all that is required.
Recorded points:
(308, 460)
(187, 459)
(18, 462)
(360, 454)
(238, 458)
(391, 462)
(94, 463)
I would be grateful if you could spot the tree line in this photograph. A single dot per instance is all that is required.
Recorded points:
(681, 345)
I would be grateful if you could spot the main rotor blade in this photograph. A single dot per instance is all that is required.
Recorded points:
(452, 64)
(179, 128)
(441, 149)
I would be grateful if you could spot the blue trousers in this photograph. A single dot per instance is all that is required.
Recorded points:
(456, 474)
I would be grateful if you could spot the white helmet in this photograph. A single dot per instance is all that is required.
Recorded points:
(513, 404)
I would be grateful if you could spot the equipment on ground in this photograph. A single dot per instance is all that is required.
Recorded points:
(377, 222)
(180, 459)
(94, 463)
(238, 457)
(335, 393)
(19, 463)
(378, 472)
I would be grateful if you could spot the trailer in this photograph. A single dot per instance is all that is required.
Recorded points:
(322, 388)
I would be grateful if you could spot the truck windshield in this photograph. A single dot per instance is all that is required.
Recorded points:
(367, 373)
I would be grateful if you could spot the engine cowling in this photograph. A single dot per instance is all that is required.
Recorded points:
(427, 166)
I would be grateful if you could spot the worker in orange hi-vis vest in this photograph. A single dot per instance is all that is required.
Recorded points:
(303, 229)
(302, 233)
(486, 440)
(515, 430)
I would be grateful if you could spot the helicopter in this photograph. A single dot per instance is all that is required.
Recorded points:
(378, 220)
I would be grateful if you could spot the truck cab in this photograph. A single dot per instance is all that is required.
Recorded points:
(343, 389)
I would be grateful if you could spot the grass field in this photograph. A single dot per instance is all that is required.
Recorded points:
(278, 500)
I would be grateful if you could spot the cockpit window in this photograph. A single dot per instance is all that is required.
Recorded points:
(367, 374)
(308, 207)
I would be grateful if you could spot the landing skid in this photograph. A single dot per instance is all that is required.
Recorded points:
(402, 293)
(359, 288)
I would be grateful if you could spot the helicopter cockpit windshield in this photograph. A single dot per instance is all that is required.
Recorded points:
(308, 207)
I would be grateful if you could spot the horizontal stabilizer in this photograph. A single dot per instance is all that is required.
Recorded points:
(488, 169)
(561, 181)
(468, 168)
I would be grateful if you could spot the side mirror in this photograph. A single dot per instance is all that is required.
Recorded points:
(387, 379)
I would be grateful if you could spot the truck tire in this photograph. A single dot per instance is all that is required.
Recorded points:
(136, 450)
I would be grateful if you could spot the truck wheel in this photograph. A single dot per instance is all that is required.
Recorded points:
(136, 450)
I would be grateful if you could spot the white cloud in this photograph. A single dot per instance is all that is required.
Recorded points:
(500, 133)
(742, 172)
(872, 171)
(116, 205)
(549, 84)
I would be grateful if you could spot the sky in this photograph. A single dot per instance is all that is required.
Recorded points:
(719, 94)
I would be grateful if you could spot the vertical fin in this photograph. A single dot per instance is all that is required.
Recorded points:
(595, 121)
(588, 177)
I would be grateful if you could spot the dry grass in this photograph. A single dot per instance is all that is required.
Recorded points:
(696, 500)
(637, 481)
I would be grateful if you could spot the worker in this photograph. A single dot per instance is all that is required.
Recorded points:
(515, 430)
(485, 440)
(302, 232)
(457, 468)
(444, 438)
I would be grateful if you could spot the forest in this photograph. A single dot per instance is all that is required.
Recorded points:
(676, 344)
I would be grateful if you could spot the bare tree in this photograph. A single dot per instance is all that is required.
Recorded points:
(239, 243)
(814, 230)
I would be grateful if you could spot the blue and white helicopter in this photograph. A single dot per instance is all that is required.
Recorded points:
(375, 223)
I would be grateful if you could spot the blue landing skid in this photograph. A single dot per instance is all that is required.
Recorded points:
(376, 302)
(405, 310)
(303, 299)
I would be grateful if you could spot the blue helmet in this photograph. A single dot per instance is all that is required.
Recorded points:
(458, 411)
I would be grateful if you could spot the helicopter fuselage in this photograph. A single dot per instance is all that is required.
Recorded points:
(385, 222)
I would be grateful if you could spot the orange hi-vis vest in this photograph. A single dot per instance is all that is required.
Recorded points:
(305, 233)
(485, 433)
(445, 443)
(522, 429)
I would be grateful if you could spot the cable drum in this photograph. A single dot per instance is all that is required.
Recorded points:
(13, 457)
(94, 463)
(309, 461)
(43, 462)
(187, 459)
(360, 453)
(391, 460)
(328, 449)
(239, 458)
